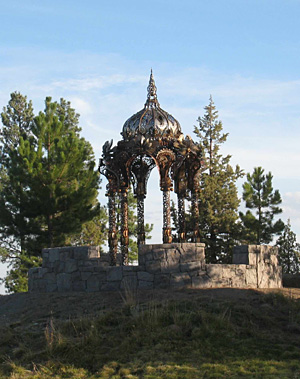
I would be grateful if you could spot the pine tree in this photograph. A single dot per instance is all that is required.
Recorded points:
(218, 199)
(48, 182)
(93, 232)
(61, 176)
(258, 193)
(288, 251)
(17, 119)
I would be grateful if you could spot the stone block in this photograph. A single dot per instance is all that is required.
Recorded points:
(75, 276)
(79, 286)
(41, 272)
(251, 277)
(149, 256)
(102, 276)
(41, 285)
(190, 266)
(64, 282)
(100, 268)
(110, 286)
(167, 266)
(86, 269)
(162, 280)
(159, 254)
(51, 287)
(114, 274)
(173, 256)
(255, 255)
(92, 283)
(45, 253)
(228, 272)
(33, 272)
(71, 266)
(129, 282)
(221, 282)
(240, 255)
(180, 279)
(53, 255)
(201, 281)
(153, 266)
(188, 256)
(85, 275)
(141, 260)
(64, 255)
(144, 284)
(214, 271)
(50, 277)
(145, 276)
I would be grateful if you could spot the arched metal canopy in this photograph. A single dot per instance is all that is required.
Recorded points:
(151, 137)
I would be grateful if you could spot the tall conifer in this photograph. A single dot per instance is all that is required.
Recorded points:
(48, 182)
(258, 193)
(218, 199)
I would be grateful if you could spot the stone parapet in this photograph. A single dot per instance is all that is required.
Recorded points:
(176, 265)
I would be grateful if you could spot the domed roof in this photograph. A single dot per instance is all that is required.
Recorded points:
(151, 121)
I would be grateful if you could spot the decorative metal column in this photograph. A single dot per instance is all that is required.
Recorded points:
(124, 226)
(140, 220)
(165, 159)
(167, 231)
(112, 233)
(181, 218)
(141, 167)
(195, 216)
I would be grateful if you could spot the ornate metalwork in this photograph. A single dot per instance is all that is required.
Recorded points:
(167, 231)
(195, 216)
(124, 227)
(141, 237)
(181, 219)
(151, 137)
(141, 167)
(112, 231)
(152, 121)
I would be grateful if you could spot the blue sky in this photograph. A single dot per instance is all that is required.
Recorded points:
(98, 55)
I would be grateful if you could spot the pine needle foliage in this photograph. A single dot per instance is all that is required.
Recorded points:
(259, 195)
(49, 184)
(218, 198)
(288, 250)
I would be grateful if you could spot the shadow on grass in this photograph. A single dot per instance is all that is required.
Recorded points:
(181, 334)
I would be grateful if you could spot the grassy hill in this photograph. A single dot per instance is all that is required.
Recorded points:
(215, 333)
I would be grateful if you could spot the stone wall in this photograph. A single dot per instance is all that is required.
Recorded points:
(180, 265)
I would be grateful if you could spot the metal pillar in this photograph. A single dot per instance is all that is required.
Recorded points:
(195, 215)
(140, 219)
(181, 218)
(124, 227)
(112, 233)
(167, 232)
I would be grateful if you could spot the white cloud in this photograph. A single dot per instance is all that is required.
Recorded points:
(262, 116)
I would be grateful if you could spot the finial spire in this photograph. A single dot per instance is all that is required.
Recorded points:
(152, 97)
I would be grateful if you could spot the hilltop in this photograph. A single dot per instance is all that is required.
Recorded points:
(210, 333)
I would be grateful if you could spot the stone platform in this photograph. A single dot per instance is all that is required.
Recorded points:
(179, 265)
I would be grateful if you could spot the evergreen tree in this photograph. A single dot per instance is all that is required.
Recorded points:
(258, 193)
(288, 251)
(218, 199)
(93, 232)
(61, 174)
(17, 119)
(48, 182)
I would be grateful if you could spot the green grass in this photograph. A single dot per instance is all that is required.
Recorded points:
(204, 338)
